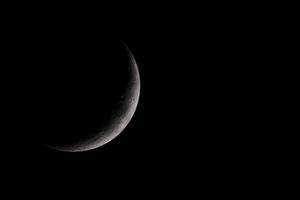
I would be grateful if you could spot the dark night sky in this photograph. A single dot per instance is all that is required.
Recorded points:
(155, 140)
(177, 132)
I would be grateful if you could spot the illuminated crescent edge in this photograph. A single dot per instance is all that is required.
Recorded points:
(121, 121)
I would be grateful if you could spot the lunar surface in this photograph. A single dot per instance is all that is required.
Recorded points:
(90, 98)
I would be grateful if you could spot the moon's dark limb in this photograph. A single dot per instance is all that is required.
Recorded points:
(96, 105)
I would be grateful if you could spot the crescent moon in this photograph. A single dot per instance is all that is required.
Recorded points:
(121, 118)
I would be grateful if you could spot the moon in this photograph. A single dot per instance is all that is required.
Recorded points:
(99, 128)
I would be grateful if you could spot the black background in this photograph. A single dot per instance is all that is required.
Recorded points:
(158, 143)
(184, 130)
